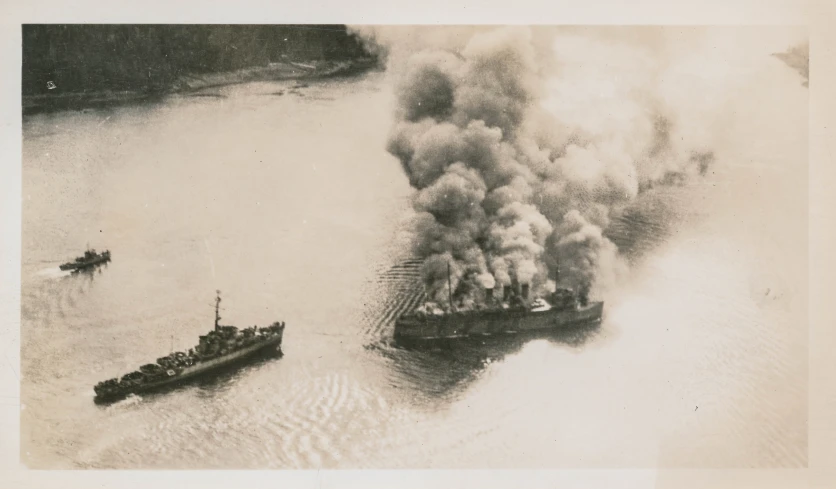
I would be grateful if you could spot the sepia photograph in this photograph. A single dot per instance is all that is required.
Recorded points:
(339, 246)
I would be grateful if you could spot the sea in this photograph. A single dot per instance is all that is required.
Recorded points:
(282, 197)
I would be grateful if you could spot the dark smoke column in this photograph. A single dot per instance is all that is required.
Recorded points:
(505, 195)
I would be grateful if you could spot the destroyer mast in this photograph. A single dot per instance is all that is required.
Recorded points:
(217, 310)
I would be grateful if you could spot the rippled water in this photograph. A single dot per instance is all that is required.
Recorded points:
(289, 205)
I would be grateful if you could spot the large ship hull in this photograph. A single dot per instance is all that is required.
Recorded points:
(267, 346)
(421, 330)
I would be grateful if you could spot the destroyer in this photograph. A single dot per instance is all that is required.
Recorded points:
(89, 259)
(513, 313)
(222, 346)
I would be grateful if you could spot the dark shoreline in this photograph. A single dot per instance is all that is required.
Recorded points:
(282, 71)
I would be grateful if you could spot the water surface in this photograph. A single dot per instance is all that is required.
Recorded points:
(286, 201)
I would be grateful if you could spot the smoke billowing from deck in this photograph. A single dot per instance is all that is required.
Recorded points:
(522, 143)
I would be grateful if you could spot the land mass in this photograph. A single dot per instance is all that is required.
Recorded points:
(81, 66)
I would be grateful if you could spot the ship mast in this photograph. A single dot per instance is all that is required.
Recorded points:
(450, 288)
(217, 308)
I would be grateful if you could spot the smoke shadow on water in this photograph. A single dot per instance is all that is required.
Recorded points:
(647, 224)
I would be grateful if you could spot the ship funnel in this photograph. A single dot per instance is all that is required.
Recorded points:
(506, 293)
(524, 291)
(488, 295)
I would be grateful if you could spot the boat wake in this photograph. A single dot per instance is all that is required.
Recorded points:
(396, 291)
(131, 400)
(56, 294)
(53, 273)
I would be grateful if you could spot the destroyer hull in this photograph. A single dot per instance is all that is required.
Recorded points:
(493, 323)
(202, 368)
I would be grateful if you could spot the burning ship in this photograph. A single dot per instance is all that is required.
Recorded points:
(89, 259)
(514, 312)
(223, 346)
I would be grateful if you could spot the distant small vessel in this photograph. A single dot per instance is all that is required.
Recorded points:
(221, 347)
(514, 313)
(89, 259)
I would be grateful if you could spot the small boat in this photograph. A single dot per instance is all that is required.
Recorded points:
(89, 259)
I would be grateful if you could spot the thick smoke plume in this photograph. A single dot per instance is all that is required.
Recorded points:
(522, 143)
